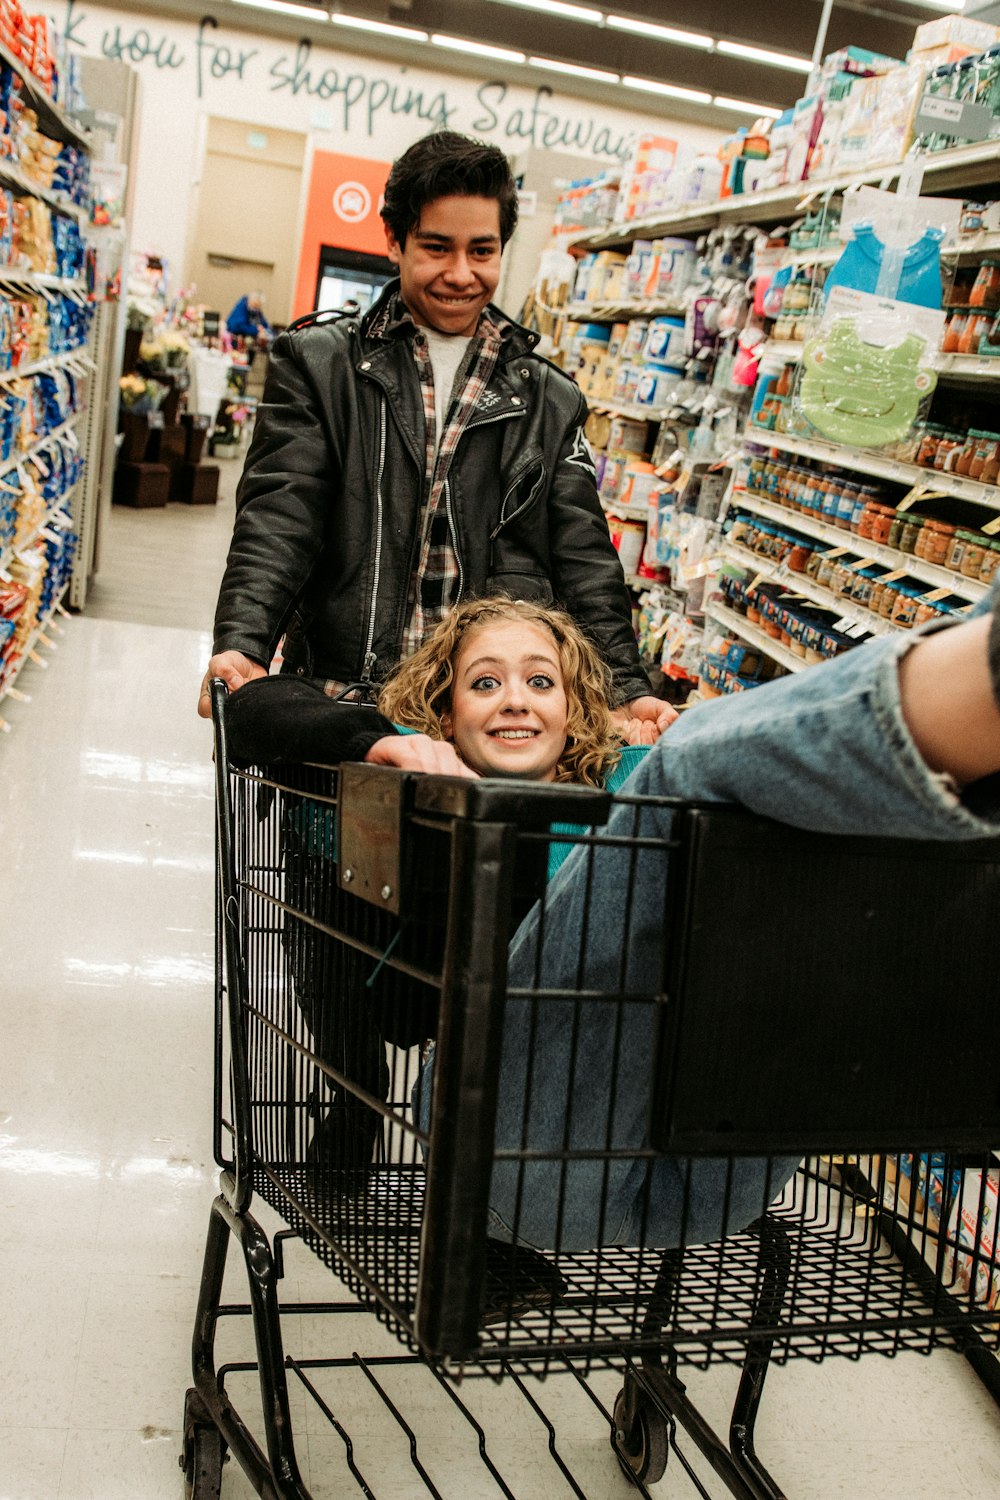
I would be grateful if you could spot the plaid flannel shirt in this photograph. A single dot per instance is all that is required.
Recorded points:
(435, 585)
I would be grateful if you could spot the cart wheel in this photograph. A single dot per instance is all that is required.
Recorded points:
(641, 1445)
(204, 1452)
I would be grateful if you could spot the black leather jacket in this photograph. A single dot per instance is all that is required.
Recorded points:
(328, 507)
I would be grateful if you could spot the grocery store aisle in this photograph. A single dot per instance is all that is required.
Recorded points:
(105, 1127)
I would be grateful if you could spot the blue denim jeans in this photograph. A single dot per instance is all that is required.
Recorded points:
(826, 750)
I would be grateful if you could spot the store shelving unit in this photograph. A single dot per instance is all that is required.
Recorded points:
(890, 557)
(960, 169)
(754, 636)
(944, 172)
(63, 514)
(862, 461)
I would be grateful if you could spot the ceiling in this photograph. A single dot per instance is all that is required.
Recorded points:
(788, 26)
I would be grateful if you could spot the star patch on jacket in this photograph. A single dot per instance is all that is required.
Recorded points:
(582, 454)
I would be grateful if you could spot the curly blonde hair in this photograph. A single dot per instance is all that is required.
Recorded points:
(419, 691)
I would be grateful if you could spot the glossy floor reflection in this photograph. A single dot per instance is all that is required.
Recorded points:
(105, 1140)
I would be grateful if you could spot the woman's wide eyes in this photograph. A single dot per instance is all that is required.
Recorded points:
(489, 683)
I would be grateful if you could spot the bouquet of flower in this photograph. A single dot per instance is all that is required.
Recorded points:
(175, 346)
(139, 396)
(152, 353)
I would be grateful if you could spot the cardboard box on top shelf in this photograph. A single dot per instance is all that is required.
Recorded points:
(859, 62)
(961, 31)
(877, 125)
(938, 57)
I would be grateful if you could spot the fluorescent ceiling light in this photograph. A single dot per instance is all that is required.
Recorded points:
(597, 74)
(763, 55)
(478, 49)
(650, 86)
(584, 13)
(283, 8)
(744, 107)
(382, 28)
(662, 33)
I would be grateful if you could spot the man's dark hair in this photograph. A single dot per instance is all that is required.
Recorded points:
(440, 165)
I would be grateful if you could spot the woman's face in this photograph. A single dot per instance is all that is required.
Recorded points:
(508, 702)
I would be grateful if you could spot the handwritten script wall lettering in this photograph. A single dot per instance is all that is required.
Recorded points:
(362, 98)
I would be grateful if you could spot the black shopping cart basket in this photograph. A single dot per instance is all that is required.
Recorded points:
(707, 1090)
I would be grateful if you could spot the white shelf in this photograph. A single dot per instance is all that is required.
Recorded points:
(821, 255)
(751, 633)
(42, 281)
(605, 312)
(798, 583)
(11, 174)
(78, 356)
(43, 442)
(620, 409)
(966, 588)
(861, 462)
(788, 350)
(628, 512)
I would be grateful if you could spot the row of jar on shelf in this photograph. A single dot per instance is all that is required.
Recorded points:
(864, 511)
(890, 593)
(971, 452)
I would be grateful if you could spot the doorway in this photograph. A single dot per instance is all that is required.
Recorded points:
(246, 224)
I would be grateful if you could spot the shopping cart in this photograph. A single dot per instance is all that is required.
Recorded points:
(763, 1134)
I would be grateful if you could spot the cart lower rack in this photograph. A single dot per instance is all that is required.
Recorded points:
(598, 1124)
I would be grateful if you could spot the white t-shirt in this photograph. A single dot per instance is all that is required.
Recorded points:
(447, 351)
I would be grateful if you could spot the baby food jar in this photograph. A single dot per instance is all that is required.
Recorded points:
(990, 563)
(934, 542)
(904, 610)
(956, 551)
(910, 531)
(972, 562)
(928, 445)
(986, 287)
(798, 557)
(977, 324)
(887, 600)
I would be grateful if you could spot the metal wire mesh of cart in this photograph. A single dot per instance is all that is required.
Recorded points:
(599, 1152)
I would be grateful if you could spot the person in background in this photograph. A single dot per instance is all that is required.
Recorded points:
(248, 319)
(417, 457)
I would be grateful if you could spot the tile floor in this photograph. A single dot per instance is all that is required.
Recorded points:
(105, 1130)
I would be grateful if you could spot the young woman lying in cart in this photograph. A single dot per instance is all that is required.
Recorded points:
(898, 738)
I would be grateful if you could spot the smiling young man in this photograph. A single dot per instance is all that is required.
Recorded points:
(417, 456)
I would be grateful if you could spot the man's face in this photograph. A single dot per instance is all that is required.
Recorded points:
(450, 264)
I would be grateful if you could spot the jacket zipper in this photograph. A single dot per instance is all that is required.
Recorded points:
(370, 657)
(454, 534)
(505, 520)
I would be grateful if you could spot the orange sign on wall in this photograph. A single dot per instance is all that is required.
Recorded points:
(342, 211)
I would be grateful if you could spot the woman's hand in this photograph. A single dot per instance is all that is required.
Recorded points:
(418, 752)
(642, 721)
